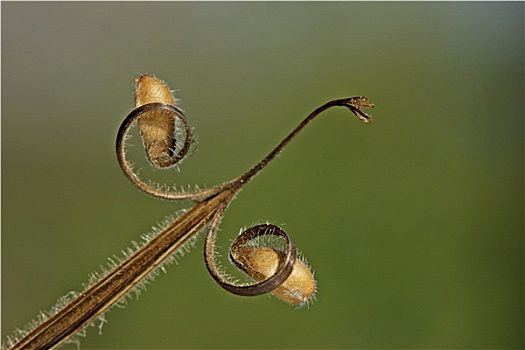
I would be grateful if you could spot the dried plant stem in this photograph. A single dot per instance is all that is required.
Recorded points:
(101, 296)
(353, 103)
(209, 209)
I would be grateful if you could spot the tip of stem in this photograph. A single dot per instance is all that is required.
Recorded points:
(354, 104)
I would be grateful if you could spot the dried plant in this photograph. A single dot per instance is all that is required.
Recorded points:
(167, 137)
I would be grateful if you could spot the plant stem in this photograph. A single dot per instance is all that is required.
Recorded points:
(101, 296)
(98, 298)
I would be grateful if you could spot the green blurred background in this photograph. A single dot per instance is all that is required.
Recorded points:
(413, 224)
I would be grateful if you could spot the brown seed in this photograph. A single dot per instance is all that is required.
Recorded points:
(261, 263)
(149, 89)
(157, 126)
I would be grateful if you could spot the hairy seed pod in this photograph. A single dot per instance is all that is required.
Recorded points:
(261, 262)
(149, 89)
(157, 125)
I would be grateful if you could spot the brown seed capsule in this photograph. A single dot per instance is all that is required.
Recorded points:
(157, 125)
(261, 263)
(149, 89)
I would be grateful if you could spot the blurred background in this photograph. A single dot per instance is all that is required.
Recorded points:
(413, 223)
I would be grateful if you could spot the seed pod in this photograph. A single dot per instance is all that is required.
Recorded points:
(149, 89)
(262, 262)
(158, 124)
